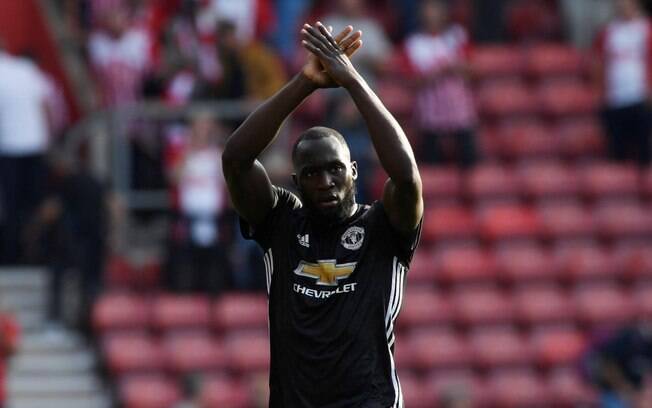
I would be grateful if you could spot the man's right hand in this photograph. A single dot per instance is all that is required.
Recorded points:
(348, 41)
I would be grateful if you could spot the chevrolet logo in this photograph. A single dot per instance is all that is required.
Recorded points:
(327, 272)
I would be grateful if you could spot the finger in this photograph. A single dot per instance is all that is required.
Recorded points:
(342, 35)
(324, 31)
(313, 49)
(317, 40)
(346, 43)
(353, 48)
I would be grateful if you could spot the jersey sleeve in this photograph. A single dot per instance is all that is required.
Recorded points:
(286, 202)
(403, 246)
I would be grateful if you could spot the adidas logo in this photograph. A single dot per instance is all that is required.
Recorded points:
(304, 240)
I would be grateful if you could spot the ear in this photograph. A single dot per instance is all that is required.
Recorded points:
(295, 180)
(354, 170)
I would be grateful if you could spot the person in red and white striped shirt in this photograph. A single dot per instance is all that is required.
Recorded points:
(438, 58)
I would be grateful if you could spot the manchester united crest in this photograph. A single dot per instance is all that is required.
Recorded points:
(353, 238)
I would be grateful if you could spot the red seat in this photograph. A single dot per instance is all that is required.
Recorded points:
(646, 175)
(440, 183)
(181, 312)
(397, 97)
(491, 181)
(602, 180)
(564, 220)
(557, 346)
(634, 260)
(604, 305)
(567, 389)
(549, 60)
(424, 307)
(446, 223)
(239, 310)
(414, 392)
(508, 222)
(584, 261)
(620, 220)
(459, 264)
(132, 352)
(501, 99)
(549, 180)
(642, 296)
(422, 267)
(154, 391)
(190, 352)
(524, 263)
(403, 352)
(580, 137)
(114, 311)
(247, 350)
(498, 347)
(222, 391)
(526, 140)
(515, 388)
(542, 305)
(460, 384)
(496, 61)
(567, 98)
(476, 306)
(438, 348)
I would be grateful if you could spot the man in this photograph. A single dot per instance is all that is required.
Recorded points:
(335, 269)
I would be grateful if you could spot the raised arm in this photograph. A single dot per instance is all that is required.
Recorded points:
(251, 191)
(402, 194)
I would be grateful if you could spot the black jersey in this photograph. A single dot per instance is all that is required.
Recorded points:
(334, 295)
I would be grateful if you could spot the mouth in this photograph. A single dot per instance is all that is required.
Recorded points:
(328, 202)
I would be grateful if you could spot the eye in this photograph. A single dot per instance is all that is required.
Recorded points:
(309, 173)
(337, 168)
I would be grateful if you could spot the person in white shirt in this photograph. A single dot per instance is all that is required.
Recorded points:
(623, 52)
(24, 139)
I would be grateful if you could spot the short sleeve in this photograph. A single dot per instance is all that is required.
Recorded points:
(286, 202)
(404, 246)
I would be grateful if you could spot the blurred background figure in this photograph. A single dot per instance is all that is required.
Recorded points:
(197, 258)
(24, 141)
(622, 73)
(444, 104)
(9, 339)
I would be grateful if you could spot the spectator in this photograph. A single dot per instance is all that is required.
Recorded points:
(583, 18)
(622, 69)
(444, 109)
(377, 48)
(197, 259)
(24, 139)
(9, 338)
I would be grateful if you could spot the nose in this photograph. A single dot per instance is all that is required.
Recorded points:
(325, 180)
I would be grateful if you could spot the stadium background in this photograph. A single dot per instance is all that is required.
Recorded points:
(533, 253)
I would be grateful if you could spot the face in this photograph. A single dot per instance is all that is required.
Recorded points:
(203, 130)
(434, 15)
(325, 177)
(627, 8)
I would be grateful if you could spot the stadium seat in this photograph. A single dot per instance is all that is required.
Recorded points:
(440, 183)
(549, 60)
(646, 176)
(525, 140)
(441, 384)
(566, 220)
(481, 306)
(583, 261)
(515, 388)
(422, 268)
(247, 350)
(172, 312)
(491, 181)
(414, 391)
(609, 180)
(544, 304)
(490, 61)
(642, 295)
(498, 347)
(603, 305)
(397, 96)
(622, 220)
(152, 391)
(633, 259)
(438, 348)
(557, 346)
(503, 99)
(548, 180)
(403, 352)
(132, 352)
(464, 264)
(222, 391)
(424, 307)
(524, 263)
(580, 137)
(119, 310)
(559, 99)
(448, 223)
(567, 389)
(239, 311)
(508, 222)
(192, 352)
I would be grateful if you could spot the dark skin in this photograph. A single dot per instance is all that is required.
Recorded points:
(251, 190)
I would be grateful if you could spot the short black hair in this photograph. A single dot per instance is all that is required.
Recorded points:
(317, 132)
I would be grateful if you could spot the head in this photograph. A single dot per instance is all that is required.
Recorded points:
(351, 8)
(324, 173)
(628, 9)
(204, 129)
(227, 35)
(116, 21)
(434, 15)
